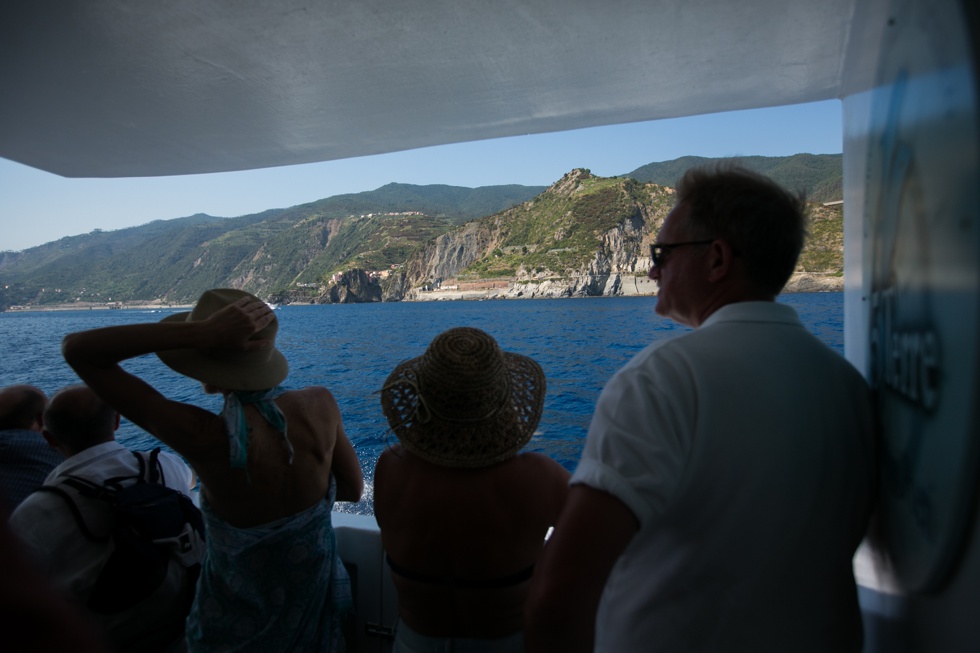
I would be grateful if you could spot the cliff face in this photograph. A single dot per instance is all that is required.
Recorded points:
(353, 287)
(439, 259)
(584, 237)
(451, 253)
(815, 282)
(619, 266)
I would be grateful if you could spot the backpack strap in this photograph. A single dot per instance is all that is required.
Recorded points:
(76, 513)
(156, 468)
(151, 470)
(88, 488)
(141, 475)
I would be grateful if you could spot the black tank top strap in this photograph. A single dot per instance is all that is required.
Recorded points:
(461, 583)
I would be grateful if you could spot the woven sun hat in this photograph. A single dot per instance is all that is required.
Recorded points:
(464, 402)
(258, 369)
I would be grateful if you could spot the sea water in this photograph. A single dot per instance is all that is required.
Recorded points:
(351, 349)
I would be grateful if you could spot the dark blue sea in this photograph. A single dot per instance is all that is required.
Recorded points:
(351, 349)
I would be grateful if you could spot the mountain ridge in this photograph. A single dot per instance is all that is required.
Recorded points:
(298, 253)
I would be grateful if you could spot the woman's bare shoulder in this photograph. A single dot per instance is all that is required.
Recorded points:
(541, 462)
(314, 391)
(396, 461)
(391, 453)
(312, 397)
(544, 478)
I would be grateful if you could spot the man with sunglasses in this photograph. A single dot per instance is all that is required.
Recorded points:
(728, 473)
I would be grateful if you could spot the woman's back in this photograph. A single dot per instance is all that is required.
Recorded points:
(462, 542)
(272, 487)
(265, 466)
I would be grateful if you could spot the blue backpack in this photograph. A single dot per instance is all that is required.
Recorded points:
(152, 526)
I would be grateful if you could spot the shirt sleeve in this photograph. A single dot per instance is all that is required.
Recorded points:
(176, 473)
(639, 438)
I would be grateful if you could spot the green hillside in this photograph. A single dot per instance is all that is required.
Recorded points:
(558, 231)
(295, 251)
(819, 175)
(583, 219)
(175, 260)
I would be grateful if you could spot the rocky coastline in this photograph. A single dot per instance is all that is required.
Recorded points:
(618, 286)
(152, 306)
(614, 286)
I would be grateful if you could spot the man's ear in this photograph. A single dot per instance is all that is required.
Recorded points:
(116, 425)
(720, 260)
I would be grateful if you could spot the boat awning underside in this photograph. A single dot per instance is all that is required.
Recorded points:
(109, 88)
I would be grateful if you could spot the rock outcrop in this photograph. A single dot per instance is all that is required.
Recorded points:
(353, 287)
(617, 267)
(812, 282)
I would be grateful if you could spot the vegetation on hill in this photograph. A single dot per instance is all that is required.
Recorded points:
(174, 261)
(558, 231)
(818, 175)
(529, 233)
(824, 250)
(582, 236)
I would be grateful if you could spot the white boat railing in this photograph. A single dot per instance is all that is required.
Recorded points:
(375, 601)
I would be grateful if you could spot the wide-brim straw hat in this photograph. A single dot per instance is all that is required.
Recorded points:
(258, 369)
(464, 402)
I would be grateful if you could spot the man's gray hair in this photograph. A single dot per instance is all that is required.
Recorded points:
(763, 222)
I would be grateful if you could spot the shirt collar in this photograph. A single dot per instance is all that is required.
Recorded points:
(83, 458)
(754, 312)
(16, 439)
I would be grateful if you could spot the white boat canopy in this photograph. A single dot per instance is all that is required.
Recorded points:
(112, 88)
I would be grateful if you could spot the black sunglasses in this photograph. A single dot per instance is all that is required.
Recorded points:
(659, 251)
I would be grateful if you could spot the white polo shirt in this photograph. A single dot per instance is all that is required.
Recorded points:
(745, 450)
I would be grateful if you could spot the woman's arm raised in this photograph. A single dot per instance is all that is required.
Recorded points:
(95, 356)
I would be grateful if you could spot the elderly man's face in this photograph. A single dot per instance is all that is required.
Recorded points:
(680, 275)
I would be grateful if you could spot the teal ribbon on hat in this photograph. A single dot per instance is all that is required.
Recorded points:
(234, 416)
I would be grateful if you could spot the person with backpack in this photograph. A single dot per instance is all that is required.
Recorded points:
(271, 465)
(135, 592)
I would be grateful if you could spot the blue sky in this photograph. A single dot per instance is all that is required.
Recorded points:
(38, 207)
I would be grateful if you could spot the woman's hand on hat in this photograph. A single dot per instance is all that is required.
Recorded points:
(234, 326)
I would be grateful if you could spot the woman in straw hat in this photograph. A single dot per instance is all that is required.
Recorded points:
(463, 515)
(270, 466)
